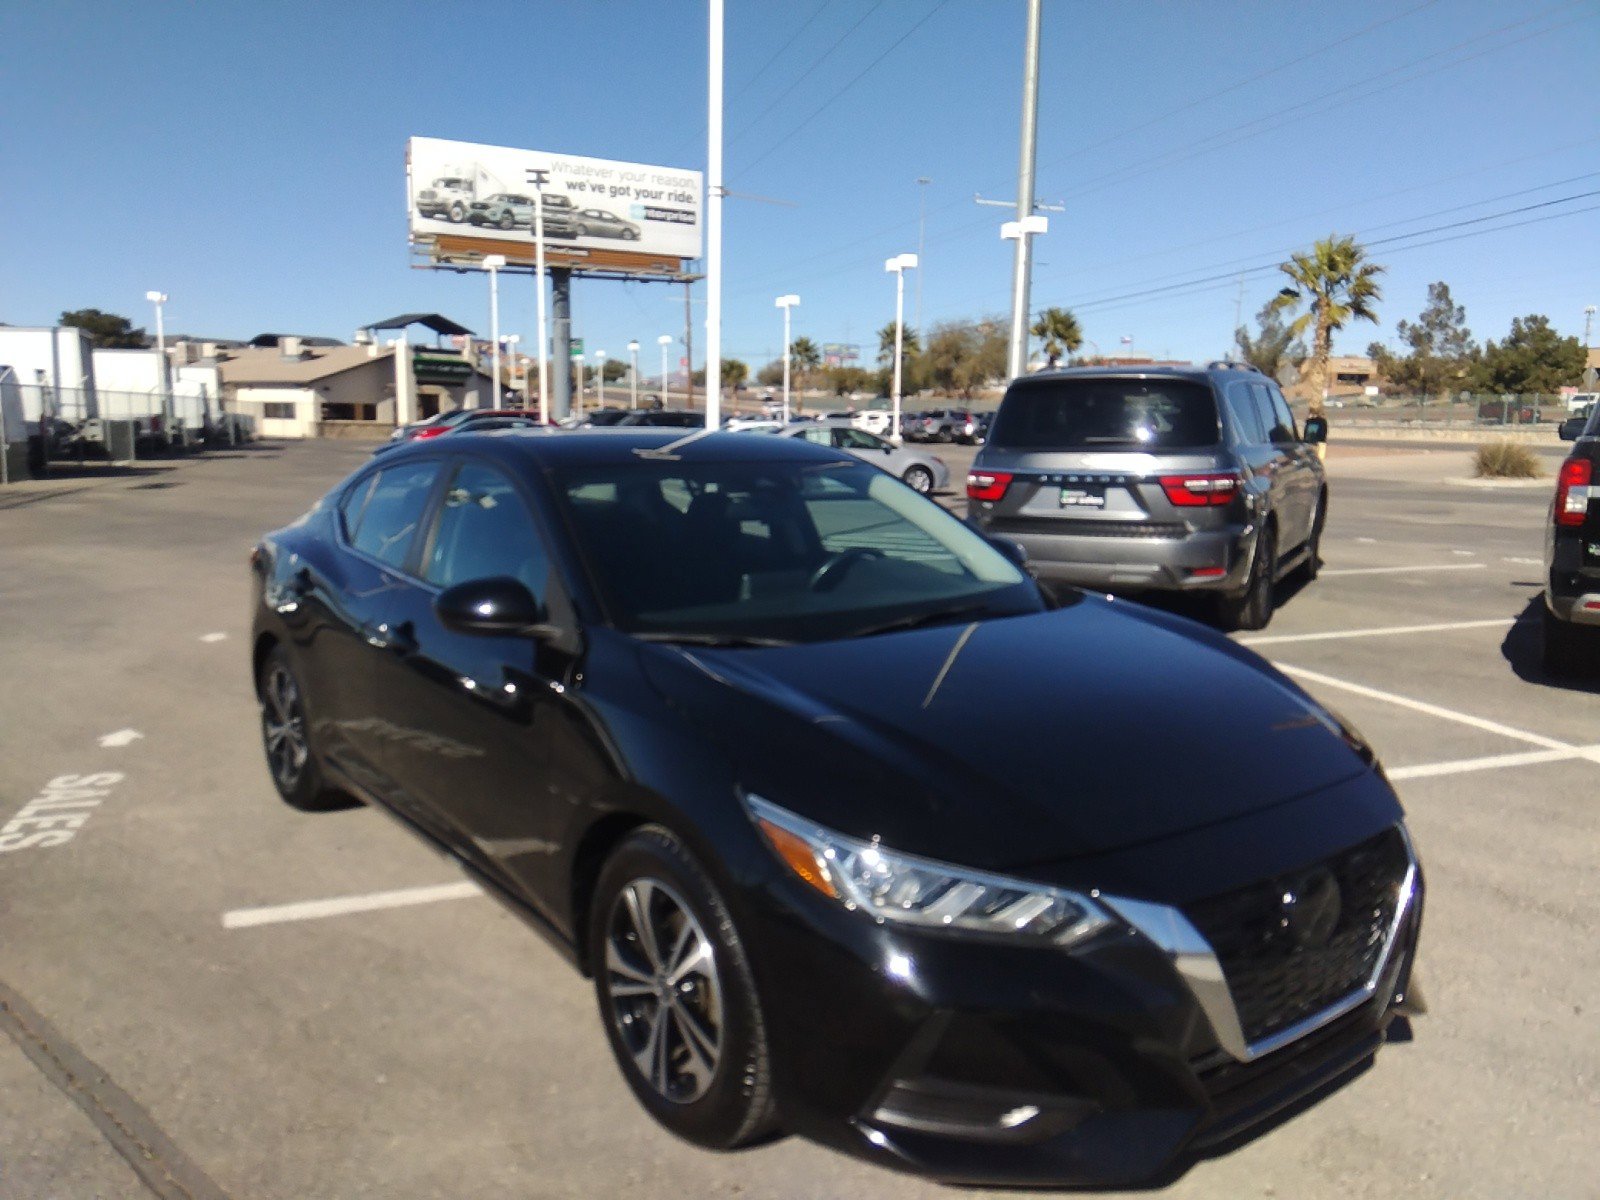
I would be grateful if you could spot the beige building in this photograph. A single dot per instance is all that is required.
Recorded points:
(1348, 375)
(300, 388)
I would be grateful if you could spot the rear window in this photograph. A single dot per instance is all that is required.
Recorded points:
(1138, 414)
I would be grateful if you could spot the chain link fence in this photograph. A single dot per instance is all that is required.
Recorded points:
(1527, 410)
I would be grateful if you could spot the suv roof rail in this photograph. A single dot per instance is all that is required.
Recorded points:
(1229, 364)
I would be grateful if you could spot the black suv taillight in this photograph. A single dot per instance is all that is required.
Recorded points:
(1573, 489)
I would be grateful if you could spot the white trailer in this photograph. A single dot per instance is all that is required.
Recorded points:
(13, 429)
(54, 369)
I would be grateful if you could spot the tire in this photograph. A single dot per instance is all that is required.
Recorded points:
(457, 213)
(919, 479)
(630, 235)
(1312, 567)
(729, 1104)
(580, 231)
(285, 737)
(1252, 607)
(1569, 650)
(506, 221)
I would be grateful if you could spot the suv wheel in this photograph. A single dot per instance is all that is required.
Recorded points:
(286, 738)
(457, 212)
(1252, 608)
(1569, 649)
(919, 479)
(677, 996)
(1319, 517)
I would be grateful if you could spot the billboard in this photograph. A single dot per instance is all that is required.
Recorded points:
(841, 354)
(466, 200)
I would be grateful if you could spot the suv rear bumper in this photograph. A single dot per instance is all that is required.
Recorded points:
(1579, 608)
(1110, 563)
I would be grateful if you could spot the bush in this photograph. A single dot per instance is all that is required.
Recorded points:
(1503, 459)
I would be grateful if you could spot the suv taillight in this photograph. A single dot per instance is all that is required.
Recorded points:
(987, 485)
(1200, 491)
(1573, 491)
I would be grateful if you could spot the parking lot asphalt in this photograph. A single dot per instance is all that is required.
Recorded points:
(166, 1009)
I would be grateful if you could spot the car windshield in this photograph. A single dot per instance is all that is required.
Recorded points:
(789, 551)
(1141, 414)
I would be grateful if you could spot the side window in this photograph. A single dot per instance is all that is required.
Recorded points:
(854, 439)
(1242, 408)
(393, 510)
(819, 437)
(1285, 418)
(354, 500)
(1277, 432)
(484, 529)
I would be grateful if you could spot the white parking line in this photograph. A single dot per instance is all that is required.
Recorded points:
(1477, 566)
(1432, 710)
(1462, 766)
(338, 906)
(1279, 639)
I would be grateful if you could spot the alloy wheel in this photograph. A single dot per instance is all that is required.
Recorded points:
(919, 479)
(283, 725)
(662, 980)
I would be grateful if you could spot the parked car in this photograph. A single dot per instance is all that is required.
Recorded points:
(945, 425)
(753, 425)
(919, 470)
(1572, 559)
(872, 420)
(1572, 428)
(449, 196)
(596, 222)
(511, 210)
(781, 754)
(1191, 479)
(600, 418)
(672, 418)
(449, 422)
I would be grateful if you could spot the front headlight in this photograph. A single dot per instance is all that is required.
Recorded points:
(888, 886)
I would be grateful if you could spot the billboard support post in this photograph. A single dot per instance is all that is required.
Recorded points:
(561, 321)
(714, 222)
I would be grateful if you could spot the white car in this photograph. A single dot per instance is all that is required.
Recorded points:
(874, 420)
(752, 425)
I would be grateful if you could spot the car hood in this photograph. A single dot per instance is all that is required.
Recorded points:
(1026, 739)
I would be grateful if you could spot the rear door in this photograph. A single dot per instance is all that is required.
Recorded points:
(1085, 457)
(1298, 474)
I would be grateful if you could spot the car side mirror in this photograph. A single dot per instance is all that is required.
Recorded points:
(1568, 432)
(496, 607)
(1316, 430)
(1016, 553)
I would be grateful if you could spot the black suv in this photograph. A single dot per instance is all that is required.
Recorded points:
(1170, 478)
(1572, 560)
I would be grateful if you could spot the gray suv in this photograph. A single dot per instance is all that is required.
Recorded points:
(1165, 478)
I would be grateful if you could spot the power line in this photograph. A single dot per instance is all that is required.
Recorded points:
(772, 147)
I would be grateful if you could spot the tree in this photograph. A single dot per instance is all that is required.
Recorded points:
(614, 369)
(1533, 358)
(910, 345)
(771, 375)
(962, 356)
(1273, 346)
(1442, 349)
(1060, 331)
(734, 372)
(804, 358)
(106, 331)
(1338, 285)
(842, 381)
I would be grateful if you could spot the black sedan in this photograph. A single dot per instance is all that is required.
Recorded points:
(859, 834)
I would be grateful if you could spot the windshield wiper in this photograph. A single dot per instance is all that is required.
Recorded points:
(938, 616)
(690, 637)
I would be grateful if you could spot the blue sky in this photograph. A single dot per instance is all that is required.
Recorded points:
(249, 159)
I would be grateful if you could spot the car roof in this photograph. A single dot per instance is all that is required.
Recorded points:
(1220, 372)
(541, 449)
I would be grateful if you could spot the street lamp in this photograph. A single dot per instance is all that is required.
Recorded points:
(600, 376)
(492, 263)
(511, 340)
(786, 303)
(664, 341)
(899, 264)
(159, 299)
(633, 374)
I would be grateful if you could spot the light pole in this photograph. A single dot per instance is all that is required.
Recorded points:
(787, 303)
(1022, 262)
(714, 194)
(633, 375)
(922, 220)
(536, 176)
(600, 377)
(1588, 318)
(511, 341)
(664, 341)
(159, 299)
(492, 263)
(577, 362)
(899, 264)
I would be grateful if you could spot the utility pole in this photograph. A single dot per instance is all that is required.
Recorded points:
(1022, 262)
(714, 220)
(633, 373)
(1238, 307)
(922, 222)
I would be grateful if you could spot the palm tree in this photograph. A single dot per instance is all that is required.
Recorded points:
(1338, 286)
(910, 344)
(804, 358)
(1059, 329)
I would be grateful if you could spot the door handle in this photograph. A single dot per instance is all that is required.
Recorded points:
(401, 638)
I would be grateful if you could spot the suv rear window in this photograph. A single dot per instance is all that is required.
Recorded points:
(1074, 414)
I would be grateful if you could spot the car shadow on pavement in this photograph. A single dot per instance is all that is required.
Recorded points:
(1523, 648)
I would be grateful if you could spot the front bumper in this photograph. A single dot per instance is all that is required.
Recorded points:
(983, 1062)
